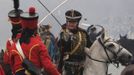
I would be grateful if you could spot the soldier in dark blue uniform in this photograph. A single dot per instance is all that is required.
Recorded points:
(72, 42)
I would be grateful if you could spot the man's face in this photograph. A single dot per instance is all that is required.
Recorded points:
(45, 30)
(72, 25)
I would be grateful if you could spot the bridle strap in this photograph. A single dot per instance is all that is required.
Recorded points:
(105, 49)
(115, 54)
(105, 52)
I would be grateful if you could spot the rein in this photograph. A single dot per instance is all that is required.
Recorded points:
(95, 59)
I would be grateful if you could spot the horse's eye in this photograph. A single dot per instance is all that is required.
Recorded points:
(110, 45)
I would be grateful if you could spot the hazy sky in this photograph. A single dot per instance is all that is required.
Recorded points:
(93, 10)
(96, 12)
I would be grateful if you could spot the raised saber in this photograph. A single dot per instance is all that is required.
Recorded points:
(52, 12)
(49, 12)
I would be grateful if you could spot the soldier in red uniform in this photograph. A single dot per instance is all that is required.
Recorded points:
(33, 48)
(14, 18)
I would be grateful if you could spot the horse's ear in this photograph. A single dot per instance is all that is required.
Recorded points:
(102, 36)
(120, 35)
(125, 36)
(102, 33)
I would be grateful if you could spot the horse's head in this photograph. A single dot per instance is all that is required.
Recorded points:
(123, 39)
(127, 43)
(119, 53)
(109, 50)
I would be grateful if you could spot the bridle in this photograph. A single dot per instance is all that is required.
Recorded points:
(114, 53)
(106, 49)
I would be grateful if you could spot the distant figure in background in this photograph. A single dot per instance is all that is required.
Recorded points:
(14, 18)
(46, 34)
(93, 34)
(94, 31)
(49, 40)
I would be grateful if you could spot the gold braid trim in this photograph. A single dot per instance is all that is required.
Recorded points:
(76, 47)
(20, 59)
(19, 69)
(18, 54)
(27, 73)
(31, 50)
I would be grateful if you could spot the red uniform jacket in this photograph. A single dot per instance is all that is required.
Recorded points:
(1, 71)
(7, 52)
(37, 53)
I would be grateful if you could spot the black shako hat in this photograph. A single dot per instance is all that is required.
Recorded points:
(29, 19)
(73, 15)
(14, 16)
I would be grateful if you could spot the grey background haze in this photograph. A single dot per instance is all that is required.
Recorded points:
(117, 16)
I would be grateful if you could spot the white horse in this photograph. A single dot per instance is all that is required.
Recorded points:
(104, 51)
